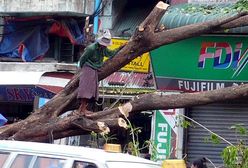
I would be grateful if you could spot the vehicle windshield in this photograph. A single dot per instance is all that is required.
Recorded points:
(131, 165)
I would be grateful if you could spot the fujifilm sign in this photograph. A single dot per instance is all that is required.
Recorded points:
(211, 1)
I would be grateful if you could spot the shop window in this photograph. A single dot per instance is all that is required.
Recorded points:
(21, 161)
(66, 51)
(81, 164)
(3, 158)
(61, 50)
(46, 162)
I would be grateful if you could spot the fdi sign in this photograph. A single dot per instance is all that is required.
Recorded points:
(201, 63)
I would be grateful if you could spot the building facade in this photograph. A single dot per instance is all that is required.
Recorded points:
(40, 48)
(203, 63)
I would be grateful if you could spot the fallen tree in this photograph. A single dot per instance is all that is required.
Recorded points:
(46, 121)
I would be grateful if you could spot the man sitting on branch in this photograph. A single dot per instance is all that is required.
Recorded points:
(90, 62)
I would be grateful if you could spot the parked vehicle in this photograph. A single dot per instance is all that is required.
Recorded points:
(17, 154)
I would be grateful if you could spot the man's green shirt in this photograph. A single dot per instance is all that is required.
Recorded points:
(93, 55)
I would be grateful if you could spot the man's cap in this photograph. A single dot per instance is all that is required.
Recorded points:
(105, 39)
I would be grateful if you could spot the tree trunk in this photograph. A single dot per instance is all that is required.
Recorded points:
(46, 123)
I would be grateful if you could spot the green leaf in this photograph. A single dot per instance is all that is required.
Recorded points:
(239, 129)
(215, 139)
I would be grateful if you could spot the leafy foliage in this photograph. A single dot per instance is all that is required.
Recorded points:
(181, 122)
(108, 138)
(213, 138)
(236, 156)
(94, 138)
(239, 129)
(241, 5)
(133, 147)
(230, 156)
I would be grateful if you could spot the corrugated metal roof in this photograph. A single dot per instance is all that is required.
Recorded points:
(185, 14)
(176, 16)
(129, 80)
(125, 82)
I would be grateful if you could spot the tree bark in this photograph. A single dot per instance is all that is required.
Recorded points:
(46, 123)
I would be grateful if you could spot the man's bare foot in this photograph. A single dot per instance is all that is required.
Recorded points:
(87, 113)
(77, 112)
(83, 112)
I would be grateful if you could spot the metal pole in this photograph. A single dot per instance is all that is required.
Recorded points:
(95, 30)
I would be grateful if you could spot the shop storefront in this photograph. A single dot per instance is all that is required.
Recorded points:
(219, 118)
(18, 91)
(201, 64)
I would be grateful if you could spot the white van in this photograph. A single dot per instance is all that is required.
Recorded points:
(17, 154)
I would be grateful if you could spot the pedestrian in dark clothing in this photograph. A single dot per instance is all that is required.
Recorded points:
(199, 163)
(90, 62)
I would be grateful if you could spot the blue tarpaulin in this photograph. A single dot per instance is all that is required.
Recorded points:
(3, 120)
(29, 39)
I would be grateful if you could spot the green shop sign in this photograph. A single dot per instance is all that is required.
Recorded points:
(201, 63)
(162, 137)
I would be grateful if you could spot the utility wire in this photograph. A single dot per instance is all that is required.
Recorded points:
(97, 10)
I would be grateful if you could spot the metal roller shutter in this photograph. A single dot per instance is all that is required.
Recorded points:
(218, 118)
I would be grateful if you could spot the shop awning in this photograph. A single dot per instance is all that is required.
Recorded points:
(58, 79)
(54, 81)
(25, 86)
(20, 78)
(131, 82)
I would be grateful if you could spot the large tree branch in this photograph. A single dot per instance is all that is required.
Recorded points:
(239, 22)
(156, 101)
(154, 17)
(159, 101)
(193, 30)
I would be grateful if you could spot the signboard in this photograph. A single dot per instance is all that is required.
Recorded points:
(140, 64)
(201, 63)
(22, 93)
(42, 101)
(3, 120)
(165, 134)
